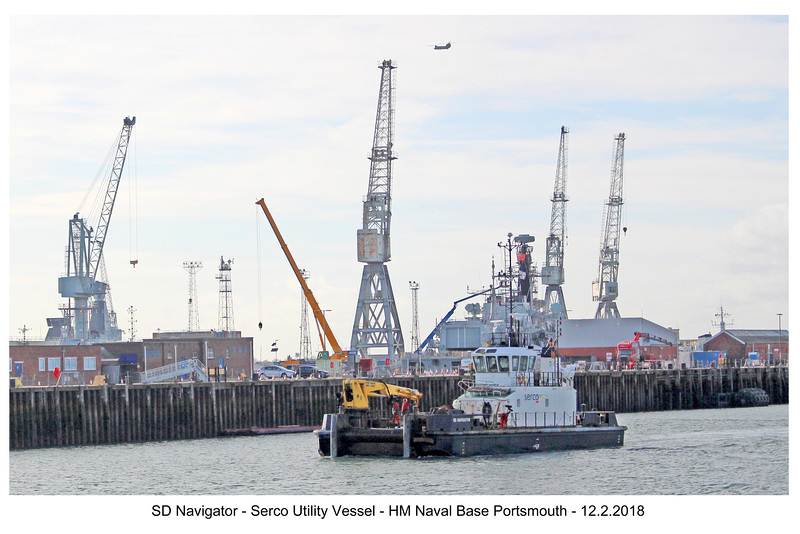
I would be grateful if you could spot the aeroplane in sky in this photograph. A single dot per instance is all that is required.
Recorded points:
(442, 47)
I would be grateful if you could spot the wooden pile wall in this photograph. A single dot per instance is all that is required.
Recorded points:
(92, 415)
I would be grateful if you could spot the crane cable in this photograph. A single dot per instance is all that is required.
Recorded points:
(133, 213)
(258, 261)
(99, 192)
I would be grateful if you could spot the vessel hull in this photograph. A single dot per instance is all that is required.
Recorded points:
(416, 439)
(514, 441)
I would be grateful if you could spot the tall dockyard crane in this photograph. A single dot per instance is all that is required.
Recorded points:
(553, 272)
(376, 328)
(605, 289)
(93, 318)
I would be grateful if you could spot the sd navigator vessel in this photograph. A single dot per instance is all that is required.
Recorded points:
(520, 400)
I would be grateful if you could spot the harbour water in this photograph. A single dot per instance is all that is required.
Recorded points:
(742, 451)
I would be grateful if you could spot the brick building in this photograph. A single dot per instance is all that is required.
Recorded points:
(35, 361)
(214, 349)
(772, 346)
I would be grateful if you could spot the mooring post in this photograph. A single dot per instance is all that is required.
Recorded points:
(407, 428)
(334, 435)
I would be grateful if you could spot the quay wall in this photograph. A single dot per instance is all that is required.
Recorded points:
(92, 415)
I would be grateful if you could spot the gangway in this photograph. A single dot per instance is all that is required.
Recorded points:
(175, 370)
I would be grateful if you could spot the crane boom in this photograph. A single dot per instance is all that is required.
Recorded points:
(318, 315)
(111, 195)
(356, 392)
(445, 318)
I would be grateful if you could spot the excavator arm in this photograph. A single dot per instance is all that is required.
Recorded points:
(357, 392)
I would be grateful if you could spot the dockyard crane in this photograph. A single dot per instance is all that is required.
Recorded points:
(376, 327)
(553, 272)
(319, 315)
(606, 288)
(94, 318)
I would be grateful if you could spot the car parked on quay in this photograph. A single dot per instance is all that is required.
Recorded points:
(274, 371)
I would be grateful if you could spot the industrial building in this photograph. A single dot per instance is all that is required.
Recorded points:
(597, 339)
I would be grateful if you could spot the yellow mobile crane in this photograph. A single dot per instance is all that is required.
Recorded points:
(338, 354)
(357, 392)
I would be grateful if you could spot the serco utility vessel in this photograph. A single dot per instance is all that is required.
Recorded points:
(518, 401)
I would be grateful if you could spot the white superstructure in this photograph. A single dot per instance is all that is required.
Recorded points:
(518, 387)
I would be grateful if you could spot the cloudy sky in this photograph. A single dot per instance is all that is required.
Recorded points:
(232, 109)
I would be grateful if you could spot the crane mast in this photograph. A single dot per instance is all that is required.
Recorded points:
(606, 288)
(553, 272)
(85, 265)
(376, 327)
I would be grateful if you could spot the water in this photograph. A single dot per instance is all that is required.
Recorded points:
(742, 451)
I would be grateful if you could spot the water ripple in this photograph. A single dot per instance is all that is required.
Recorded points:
(695, 452)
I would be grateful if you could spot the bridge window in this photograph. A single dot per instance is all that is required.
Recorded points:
(514, 364)
(503, 363)
(480, 364)
(491, 364)
(523, 363)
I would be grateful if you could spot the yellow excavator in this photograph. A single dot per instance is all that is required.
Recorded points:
(357, 392)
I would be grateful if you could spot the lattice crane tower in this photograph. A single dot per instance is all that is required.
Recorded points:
(553, 272)
(225, 296)
(606, 288)
(414, 287)
(194, 316)
(376, 328)
(305, 331)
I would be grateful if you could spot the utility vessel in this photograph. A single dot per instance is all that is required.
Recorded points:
(519, 400)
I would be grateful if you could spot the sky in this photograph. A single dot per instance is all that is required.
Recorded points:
(231, 109)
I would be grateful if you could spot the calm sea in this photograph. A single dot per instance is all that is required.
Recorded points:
(742, 451)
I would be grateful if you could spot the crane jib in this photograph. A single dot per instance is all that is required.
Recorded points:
(111, 196)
